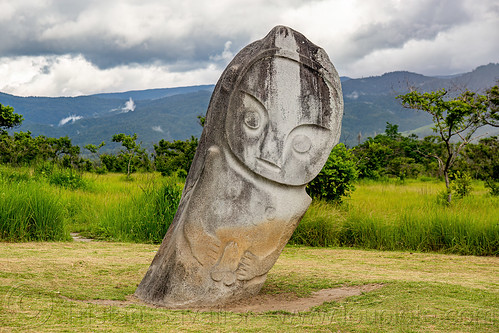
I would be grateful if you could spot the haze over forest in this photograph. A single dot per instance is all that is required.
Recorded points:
(171, 113)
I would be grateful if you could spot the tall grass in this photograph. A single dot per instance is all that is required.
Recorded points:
(379, 215)
(461, 234)
(321, 226)
(405, 217)
(100, 199)
(143, 218)
(46, 202)
(29, 213)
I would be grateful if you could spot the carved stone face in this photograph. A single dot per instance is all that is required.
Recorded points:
(275, 123)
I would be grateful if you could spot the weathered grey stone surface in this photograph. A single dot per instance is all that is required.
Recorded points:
(273, 118)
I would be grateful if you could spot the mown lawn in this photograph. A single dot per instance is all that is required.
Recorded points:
(47, 287)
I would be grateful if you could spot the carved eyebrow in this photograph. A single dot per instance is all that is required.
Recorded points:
(251, 95)
(256, 99)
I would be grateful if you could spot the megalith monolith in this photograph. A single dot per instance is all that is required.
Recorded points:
(273, 118)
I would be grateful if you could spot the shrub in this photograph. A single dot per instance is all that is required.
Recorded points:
(176, 155)
(44, 169)
(64, 177)
(442, 197)
(68, 178)
(101, 170)
(461, 184)
(336, 177)
(492, 186)
(10, 175)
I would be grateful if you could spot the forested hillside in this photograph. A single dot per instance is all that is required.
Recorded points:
(171, 113)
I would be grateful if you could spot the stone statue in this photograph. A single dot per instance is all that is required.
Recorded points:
(274, 116)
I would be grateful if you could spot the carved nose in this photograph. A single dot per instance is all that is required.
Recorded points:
(270, 153)
(268, 165)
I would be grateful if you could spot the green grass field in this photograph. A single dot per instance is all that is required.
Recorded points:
(441, 273)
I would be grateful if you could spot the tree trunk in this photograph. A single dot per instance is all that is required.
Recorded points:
(447, 185)
(129, 163)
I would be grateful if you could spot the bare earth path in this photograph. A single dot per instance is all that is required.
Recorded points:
(267, 302)
(291, 303)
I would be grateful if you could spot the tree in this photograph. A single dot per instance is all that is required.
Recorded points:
(63, 146)
(389, 154)
(176, 155)
(9, 119)
(481, 160)
(93, 148)
(131, 148)
(372, 158)
(492, 116)
(112, 163)
(95, 151)
(201, 120)
(392, 131)
(454, 119)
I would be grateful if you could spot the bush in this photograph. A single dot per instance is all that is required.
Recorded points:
(492, 186)
(336, 178)
(10, 175)
(172, 156)
(461, 184)
(44, 169)
(442, 197)
(64, 177)
(101, 170)
(68, 178)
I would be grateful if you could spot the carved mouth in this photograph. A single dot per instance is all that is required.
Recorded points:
(268, 165)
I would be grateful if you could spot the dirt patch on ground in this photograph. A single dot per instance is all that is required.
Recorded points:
(291, 303)
(270, 302)
(77, 238)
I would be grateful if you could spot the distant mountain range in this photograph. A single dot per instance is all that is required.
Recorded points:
(171, 113)
(371, 102)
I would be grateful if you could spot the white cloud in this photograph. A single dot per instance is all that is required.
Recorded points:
(68, 119)
(157, 129)
(74, 75)
(226, 54)
(353, 95)
(129, 106)
(457, 50)
(77, 47)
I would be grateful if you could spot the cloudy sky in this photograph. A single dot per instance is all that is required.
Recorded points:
(75, 47)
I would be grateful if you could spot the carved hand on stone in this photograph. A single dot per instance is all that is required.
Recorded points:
(225, 269)
(204, 247)
(248, 267)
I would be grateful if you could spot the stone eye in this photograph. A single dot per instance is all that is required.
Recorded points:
(302, 143)
(252, 119)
